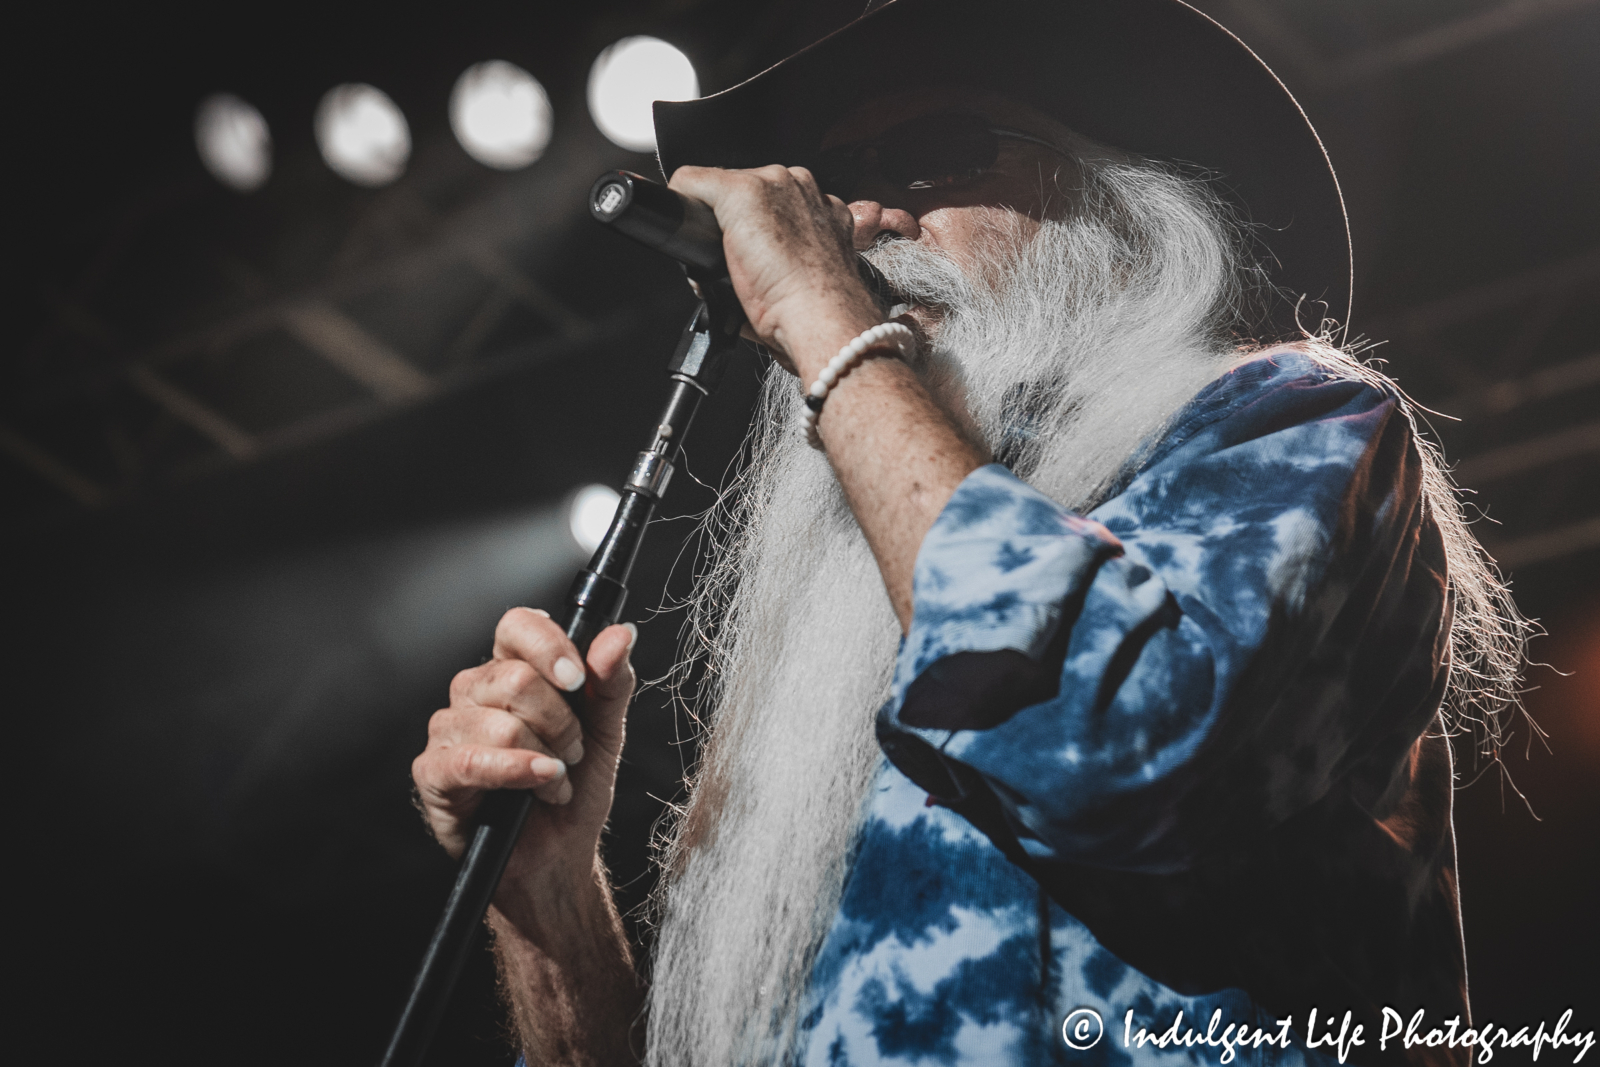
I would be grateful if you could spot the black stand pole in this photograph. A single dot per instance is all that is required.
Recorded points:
(594, 603)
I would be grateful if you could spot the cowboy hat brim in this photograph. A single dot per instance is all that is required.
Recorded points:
(1153, 77)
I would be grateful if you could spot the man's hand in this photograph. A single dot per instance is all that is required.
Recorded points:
(508, 726)
(565, 963)
(790, 257)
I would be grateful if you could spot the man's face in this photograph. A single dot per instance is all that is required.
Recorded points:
(1011, 197)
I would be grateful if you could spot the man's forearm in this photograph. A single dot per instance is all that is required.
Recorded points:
(568, 979)
(898, 454)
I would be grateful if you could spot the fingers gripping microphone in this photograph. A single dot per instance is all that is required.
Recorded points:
(683, 228)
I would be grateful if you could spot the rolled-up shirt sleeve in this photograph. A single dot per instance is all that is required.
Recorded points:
(1256, 617)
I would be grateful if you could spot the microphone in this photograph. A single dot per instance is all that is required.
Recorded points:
(684, 228)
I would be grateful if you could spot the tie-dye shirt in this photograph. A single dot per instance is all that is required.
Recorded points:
(1169, 756)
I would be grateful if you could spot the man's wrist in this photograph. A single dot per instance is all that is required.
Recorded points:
(548, 912)
(828, 334)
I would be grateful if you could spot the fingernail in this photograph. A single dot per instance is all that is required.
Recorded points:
(540, 611)
(548, 767)
(633, 634)
(569, 675)
(574, 752)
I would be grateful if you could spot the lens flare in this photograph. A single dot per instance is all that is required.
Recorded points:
(500, 114)
(362, 134)
(627, 78)
(590, 514)
(234, 142)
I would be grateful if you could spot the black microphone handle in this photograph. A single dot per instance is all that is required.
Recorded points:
(686, 229)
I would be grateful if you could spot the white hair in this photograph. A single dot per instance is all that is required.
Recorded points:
(1068, 359)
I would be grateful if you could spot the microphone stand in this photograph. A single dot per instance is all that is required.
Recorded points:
(686, 230)
(593, 603)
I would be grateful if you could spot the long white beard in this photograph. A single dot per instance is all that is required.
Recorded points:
(1103, 325)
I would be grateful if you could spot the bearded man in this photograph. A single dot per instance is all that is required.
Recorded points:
(1084, 660)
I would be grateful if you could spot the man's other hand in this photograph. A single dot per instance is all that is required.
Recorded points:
(508, 726)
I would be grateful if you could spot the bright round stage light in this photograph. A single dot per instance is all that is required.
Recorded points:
(234, 142)
(590, 514)
(362, 134)
(500, 114)
(627, 78)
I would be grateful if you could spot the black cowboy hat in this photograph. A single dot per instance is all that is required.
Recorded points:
(1154, 77)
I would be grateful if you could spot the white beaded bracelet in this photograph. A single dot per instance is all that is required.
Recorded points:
(897, 334)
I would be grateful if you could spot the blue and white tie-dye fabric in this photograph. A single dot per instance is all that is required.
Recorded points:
(1169, 756)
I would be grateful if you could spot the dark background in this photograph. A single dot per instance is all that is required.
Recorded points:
(229, 641)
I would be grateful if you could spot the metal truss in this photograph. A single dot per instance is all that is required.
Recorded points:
(107, 420)
(1263, 24)
(1523, 419)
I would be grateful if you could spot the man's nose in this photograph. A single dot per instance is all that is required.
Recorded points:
(872, 219)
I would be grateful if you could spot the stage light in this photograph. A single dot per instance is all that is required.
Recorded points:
(500, 114)
(590, 513)
(362, 134)
(234, 142)
(627, 78)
